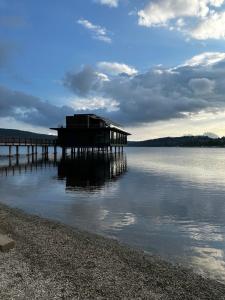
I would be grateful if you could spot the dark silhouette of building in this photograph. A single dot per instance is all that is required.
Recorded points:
(89, 131)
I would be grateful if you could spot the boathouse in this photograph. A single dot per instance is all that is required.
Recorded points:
(91, 132)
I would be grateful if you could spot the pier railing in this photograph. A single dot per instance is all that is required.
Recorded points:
(14, 141)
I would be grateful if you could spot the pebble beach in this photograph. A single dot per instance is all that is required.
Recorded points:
(54, 261)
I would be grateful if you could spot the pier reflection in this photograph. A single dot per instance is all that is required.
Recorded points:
(13, 167)
(91, 171)
(85, 171)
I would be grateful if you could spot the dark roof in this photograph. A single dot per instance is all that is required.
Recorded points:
(107, 121)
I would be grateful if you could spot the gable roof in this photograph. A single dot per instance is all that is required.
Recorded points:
(106, 120)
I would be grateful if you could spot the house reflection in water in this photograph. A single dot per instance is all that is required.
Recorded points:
(91, 172)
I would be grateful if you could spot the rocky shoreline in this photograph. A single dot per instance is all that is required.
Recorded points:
(54, 261)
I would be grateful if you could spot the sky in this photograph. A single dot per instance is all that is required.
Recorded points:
(155, 66)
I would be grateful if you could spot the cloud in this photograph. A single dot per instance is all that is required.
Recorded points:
(94, 103)
(98, 32)
(211, 28)
(205, 59)
(110, 3)
(158, 94)
(202, 86)
(199, 19)
(82, 82)
(31, 110)
(114, 68)
(158, 13)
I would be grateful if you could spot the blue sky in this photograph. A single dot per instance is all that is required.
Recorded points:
(156, 66)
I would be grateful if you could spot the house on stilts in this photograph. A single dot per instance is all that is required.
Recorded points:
(89, 132)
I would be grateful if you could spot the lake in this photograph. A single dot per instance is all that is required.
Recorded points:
(167, 201)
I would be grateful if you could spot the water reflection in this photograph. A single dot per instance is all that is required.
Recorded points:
(91, 172)
(29, 164)
(171, 202)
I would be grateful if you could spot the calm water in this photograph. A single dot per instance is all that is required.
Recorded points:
(169, 201)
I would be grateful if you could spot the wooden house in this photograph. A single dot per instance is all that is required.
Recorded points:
(84, 131)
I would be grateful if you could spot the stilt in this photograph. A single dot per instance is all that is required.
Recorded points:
(55, 153)
(10, 160)
(63, 153)
(46, 152)
(10, 151)
(17, 151)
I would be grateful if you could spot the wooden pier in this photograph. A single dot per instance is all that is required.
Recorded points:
(31, 144)
(83, 134)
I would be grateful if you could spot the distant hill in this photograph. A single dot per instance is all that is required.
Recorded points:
(23, 134)
(183, 141)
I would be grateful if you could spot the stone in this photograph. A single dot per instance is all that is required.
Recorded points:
(6, 243)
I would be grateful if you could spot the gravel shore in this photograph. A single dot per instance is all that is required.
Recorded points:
(54, 261)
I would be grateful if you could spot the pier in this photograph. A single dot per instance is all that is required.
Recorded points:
(83, 134)
(31, 144)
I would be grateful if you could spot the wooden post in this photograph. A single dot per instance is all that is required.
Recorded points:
(63, 152)
(46, 152)
(17, 150)
(10, 160)
(55, 153)
(10, 150)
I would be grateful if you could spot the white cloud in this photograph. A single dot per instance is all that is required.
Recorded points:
(199, 19)
(98, 32)
(102, 76)
(205, 59)
(211, 28)
(158, 13)
(94, 103)
(110, 3)
(115, 68)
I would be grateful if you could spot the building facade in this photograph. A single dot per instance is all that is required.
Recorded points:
(90, 131)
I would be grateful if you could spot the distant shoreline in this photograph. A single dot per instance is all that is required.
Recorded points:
(219, 147)
(52, 260)
(183, 141)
